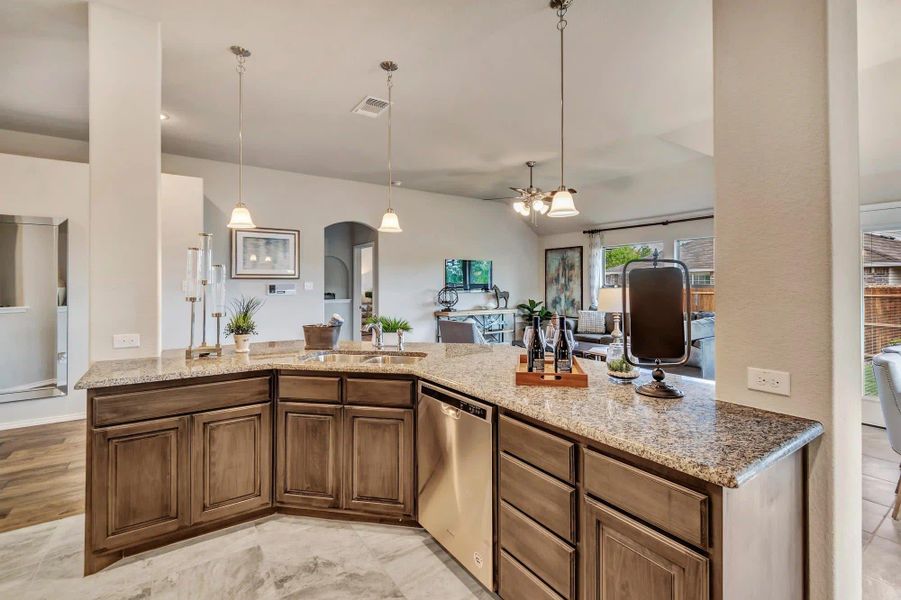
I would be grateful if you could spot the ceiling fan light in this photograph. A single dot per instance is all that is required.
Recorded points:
(241, 218)
(563, 205)
(518, 206)
(540, 206)
(390, 222)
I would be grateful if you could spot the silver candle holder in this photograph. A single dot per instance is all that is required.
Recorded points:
(204, 283)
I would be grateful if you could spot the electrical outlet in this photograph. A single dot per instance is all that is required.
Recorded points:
(771, 382)
(127, 340)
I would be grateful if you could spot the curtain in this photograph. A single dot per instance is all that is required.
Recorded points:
(595, 267)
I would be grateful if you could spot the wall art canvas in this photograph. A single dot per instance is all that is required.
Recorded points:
(563, 280)
(265, 253)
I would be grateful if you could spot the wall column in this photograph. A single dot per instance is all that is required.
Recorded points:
(787, 244)
(124, 89)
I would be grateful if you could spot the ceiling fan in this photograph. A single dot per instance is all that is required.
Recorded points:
(531, 201)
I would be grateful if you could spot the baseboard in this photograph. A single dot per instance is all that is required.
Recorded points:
(41, 421)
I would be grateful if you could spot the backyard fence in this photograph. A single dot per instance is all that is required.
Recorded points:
(704, 299)
(882, 317)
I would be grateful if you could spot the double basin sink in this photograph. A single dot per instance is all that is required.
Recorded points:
(355, 358)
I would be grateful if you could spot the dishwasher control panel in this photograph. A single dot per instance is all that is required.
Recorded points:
(476, 411)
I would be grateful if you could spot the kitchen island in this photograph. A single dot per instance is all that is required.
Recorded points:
(594, 487)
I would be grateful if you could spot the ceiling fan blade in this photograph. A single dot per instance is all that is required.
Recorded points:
(519, 191)
(500, 199)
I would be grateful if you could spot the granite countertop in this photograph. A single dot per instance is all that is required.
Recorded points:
(720, 442)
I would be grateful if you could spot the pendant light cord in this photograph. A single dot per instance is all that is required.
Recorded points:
(390, 103)
(241, 68)
(561, 25)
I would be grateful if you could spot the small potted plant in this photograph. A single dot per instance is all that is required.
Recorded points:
(393, 329)
(532, 309)
(620, 370)
(241, 324)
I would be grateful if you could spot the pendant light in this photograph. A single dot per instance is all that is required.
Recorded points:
(240, 218)
(390, 223)
(562, 204)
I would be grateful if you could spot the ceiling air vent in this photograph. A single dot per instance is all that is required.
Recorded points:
(370, 107)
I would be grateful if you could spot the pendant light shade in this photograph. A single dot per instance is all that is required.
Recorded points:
(563, 205)
(390, 224)
(240, 218)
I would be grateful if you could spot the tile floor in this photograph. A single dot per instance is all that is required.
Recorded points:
(881, 534)
(295, 557)
(276, 557)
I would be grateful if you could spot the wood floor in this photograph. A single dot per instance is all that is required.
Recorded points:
(41, 473)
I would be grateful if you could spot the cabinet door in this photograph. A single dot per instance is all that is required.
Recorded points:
(308, 455)
(231, 460)
(140, 482)
(625, 560)
(378, 467)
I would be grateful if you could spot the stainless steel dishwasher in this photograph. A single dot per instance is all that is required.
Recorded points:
(455, 448)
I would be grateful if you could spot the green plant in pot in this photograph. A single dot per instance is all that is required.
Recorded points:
(533, 308)
(240, 323)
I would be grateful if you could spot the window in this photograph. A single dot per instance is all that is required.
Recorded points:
(881, 298)
(698, 256)
(615, 258)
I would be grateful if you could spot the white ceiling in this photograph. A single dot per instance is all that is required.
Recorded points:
(475, 96)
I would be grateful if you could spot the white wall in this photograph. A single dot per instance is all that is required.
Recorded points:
(410, 264)
(655, 233)
(124, 86)
(51, 188)
(181, 219)
(788, 245)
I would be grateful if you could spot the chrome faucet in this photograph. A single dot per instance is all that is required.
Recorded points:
(376, 329)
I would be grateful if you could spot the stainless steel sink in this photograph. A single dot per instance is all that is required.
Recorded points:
(393, 359)
(336, 357)
(356, 359)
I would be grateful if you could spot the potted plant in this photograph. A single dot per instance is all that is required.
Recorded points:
(393, 329)
(532, 309)
(241, 324)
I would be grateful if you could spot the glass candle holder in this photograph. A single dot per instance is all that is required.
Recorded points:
(206, 257)
(192, 283)
(217, 290)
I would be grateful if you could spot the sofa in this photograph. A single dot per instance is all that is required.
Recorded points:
(701, 360)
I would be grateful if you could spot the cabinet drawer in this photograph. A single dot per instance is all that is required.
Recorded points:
(515, 582)
(672, 507)
(113, 409)
(548, 501)
(309, 389)
(548, 452)
(380, 392)
(543, 553)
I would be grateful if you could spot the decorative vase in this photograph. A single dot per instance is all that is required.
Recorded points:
(391, 338)
(242, 343)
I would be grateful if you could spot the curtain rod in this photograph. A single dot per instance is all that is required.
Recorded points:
(664, 222)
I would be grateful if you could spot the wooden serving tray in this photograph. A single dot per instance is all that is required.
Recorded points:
(578, 378)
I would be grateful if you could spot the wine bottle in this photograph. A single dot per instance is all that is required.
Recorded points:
(563, 352)
(535, 350)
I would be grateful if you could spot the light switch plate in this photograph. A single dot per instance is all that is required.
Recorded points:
(127, 340)
(308, 285)
(771, 382)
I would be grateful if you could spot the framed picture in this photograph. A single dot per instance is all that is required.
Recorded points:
(563, 280)
(263, 253)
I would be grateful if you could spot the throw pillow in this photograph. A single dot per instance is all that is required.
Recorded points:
(591, 321)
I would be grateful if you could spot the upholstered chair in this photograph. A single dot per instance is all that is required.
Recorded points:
(887, 369)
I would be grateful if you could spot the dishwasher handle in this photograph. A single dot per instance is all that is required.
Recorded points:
(454, 405)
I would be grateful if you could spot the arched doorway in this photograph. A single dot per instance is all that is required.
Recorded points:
(351, 275)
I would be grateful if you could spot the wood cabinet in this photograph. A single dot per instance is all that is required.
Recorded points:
(140, 482)
(623, 559)
(231, 462)
(308, 455)
(378, 461)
